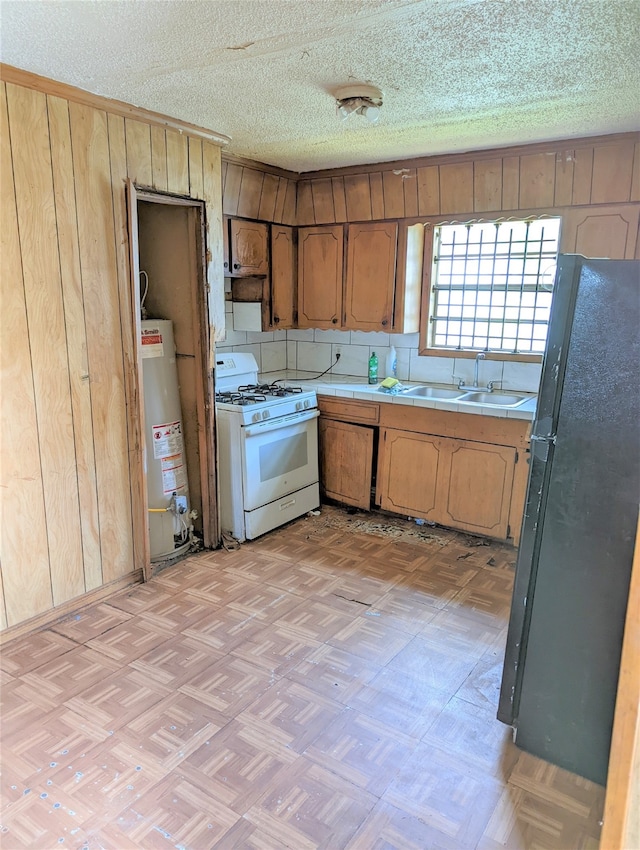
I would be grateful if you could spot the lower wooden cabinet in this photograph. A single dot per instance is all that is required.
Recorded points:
(458, 483)
(346, 458)
(475, 487)
(458, 470)
(408, 470)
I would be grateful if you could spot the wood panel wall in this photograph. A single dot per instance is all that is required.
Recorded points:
(256, 191)
(621, 828)
(477, 185)
(68, 352)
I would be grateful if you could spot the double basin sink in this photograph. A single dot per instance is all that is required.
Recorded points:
(498, 399)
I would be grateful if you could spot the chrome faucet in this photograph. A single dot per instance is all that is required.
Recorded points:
(479, 356)
(476, 386)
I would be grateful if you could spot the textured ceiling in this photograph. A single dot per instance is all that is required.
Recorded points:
(456, 74)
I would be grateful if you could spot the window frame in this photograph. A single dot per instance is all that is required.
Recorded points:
(425, 349)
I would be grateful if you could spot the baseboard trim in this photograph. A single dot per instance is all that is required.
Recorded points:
(42, 621)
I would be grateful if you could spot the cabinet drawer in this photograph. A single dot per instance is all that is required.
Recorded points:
(349, 411)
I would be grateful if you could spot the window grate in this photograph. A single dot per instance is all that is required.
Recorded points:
(493, 285)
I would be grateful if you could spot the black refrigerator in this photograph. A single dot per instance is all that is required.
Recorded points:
(574, 563)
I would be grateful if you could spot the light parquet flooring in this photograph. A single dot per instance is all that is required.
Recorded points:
(331, 685)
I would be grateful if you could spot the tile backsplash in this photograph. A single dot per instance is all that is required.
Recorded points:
(315, 351)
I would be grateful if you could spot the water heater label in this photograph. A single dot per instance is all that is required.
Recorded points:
(152, 345)
(167, 439)
(174, 475)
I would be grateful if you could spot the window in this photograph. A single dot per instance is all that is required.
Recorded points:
(492, 286)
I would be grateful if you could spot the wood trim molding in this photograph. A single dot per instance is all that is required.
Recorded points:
(19, 77)
(619, 830)
(259, 166)
(551, 147)
(154, 197)
(42, 621)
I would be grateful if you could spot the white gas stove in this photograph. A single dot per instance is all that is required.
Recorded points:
(267, 449)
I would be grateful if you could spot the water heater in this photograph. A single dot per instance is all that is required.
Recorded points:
(167, 484)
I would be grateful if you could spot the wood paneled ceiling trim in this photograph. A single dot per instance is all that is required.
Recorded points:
(10, 74)
(260, 166)
(555, 147)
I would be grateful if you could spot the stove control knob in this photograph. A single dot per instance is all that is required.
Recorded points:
(306, 404)
(298, 405)
(265, 414)
(255, 417)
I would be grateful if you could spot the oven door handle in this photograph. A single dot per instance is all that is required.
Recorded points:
(280, 422)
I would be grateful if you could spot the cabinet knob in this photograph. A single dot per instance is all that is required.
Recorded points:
(226, 265)
(384, 323)
(335, 320)
(236, 265)
(276, 319)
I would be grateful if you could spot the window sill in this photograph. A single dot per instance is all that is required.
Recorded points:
(471, 354)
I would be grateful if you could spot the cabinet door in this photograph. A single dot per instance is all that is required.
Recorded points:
(606, 231)
(320, 255)
(371, 274)
(226, 256)
(249, 252)
(346, 456)
(282, 277)
(474, 489)
(408, 471)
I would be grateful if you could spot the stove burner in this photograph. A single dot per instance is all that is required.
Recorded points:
(272, 390)
(240, 397)
(226, 396)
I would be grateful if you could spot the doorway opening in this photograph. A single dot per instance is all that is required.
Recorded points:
(177, 481)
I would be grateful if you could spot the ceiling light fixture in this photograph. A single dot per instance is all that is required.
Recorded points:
(362, 100)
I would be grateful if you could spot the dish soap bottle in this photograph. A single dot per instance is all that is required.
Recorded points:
(373, 368)
(392, 363)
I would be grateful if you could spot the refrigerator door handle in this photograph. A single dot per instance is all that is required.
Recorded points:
(540, 446)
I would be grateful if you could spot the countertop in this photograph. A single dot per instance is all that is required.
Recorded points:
(345, 386)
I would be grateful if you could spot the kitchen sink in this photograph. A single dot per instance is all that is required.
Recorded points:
(431, 392)
(496, 399)
(501, 399)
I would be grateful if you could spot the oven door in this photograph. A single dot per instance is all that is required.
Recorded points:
(280, 456)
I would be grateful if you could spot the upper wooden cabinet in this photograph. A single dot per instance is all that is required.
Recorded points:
(320, 260)
(371, 275)
(247, 252)
(605, 232)
(283, 277)
(273, 293)
(363, 294)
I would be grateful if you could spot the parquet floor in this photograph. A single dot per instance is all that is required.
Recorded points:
(322, 687)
